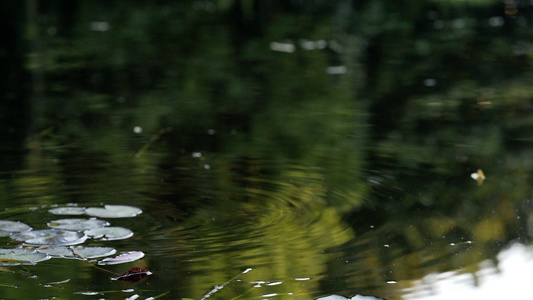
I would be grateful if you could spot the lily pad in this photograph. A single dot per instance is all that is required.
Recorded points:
(50, 237)
(113, 211)
(109, 233)
(67, 210)
(77, 252)
(123, 258)
(77, 224)
(9, 227)
(13, 257)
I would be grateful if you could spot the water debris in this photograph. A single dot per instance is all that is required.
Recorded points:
(137, 129)
(152, 140)
(479, 176)
(58, 282)
(217, 288)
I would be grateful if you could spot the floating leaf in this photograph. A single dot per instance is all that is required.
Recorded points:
(109, 233)
(479, 176)
(77, 224)
(77, 252)
(50, 237)
(67, 210)
(123, 258)
(9, 227)
(133, 275)
(12, 257)
(113, 211)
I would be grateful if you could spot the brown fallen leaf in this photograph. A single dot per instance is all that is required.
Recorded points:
(133, 275)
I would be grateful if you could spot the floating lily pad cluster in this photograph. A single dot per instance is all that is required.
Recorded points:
(59, 241)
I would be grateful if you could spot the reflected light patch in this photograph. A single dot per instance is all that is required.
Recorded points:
(269, 295)
(512, 278)
(336, 70)
(496, 21)
(282, 47)
(99, 26)
(430, 82)
(313, 45)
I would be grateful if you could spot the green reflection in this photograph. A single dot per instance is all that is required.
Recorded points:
(247, 156)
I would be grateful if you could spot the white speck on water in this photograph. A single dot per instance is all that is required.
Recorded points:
(99, 26)
(133, 297)
(211, 131)
(269, 295)
(207, 167)
(137, 129)
(197, 154)
(282, 47)
(386, 246)
(430, 82)
(496, 21)
(335, 70)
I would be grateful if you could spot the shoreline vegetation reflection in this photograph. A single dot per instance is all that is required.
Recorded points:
(328, 147)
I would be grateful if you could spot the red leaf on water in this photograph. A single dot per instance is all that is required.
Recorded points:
(133, 275)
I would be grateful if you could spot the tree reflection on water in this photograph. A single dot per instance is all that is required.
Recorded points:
(332, 141)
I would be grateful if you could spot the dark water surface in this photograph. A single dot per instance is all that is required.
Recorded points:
(278, 149)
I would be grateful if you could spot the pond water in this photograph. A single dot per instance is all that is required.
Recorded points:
(277, 149)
